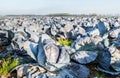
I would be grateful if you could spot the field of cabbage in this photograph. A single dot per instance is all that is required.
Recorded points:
(59, 47)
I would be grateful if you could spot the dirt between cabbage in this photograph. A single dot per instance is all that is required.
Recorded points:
(95, 73)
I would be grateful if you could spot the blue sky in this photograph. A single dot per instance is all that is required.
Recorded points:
(59, 6)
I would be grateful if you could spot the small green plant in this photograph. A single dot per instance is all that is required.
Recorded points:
(7, 65)
(98, 75)
(65, 42)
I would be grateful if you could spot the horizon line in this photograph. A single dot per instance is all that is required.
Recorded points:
(61, 14)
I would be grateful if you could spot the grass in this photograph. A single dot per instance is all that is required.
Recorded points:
(7, 65)
(65, 42)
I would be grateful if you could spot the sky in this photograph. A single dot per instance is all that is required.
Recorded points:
(42, 7)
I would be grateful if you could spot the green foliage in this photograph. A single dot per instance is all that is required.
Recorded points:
(98, 75)
(7, 65)
(65, 42)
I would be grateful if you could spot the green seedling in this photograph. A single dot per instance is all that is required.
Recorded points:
(65, 42)
(7, 65)
(98, 75)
